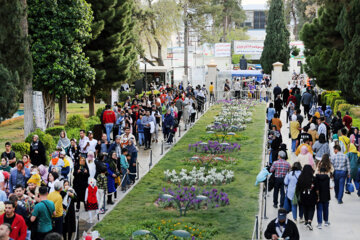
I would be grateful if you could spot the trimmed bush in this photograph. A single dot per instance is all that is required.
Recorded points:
(124, 95)
(76, 121)
(73, 133)
(21, 148)
(344, 107)
(337, 103)
(54, 131)
(91, 122)
(98, 113)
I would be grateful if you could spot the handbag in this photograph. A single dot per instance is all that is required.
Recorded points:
(350, 186)
(295, 200)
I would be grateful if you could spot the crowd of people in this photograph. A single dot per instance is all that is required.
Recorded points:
(324, 155)
(39, 198)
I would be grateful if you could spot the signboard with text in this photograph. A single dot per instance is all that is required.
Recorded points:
(222, 49)
(248, 47)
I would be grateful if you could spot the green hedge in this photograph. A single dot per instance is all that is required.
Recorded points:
(73, 133)
(91, 122)
(99, 111)
(337, 103)
(76, 121)
(54, 131)
(21, 148)
(344, 107)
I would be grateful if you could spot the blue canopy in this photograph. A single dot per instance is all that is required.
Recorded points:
(248, 73)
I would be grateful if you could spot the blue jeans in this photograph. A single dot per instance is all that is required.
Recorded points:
(293, 208)
(358, 181)
(339, 180)
(293, 145)
(279, 185)
(322, 211)
(141, 138)
(108, 128)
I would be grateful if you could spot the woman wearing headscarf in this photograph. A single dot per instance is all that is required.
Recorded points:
(270, 112)
(168, 125)
(64, 142)
(305, 158)
(321, 147)
(294, 132)
(312, 131)
(133, 152)
(337, 123)
(37, 152)
(90, 161)
(81, 175)
(353, 156)
(305, 188)
(290, 182)
(69, 198)
(112, 170)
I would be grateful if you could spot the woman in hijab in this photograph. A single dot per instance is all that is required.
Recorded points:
(69, 199)
(337, 123)
(353, 156)
(321, 147)
(294, 132)
(133, 152)
(37, 152)
(90, 161)
(305, 188)
(290, 182)
(112, 170)
(305, 158)
(64, 142)
(81, 175)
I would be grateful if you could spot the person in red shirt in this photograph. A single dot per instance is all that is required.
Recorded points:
(17, 222)
(347, 120)
(163, 97)
(109, 118)
(291, 98)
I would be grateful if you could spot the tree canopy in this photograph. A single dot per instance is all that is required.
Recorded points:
(276, 45)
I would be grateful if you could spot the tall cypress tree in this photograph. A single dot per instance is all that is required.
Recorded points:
(349, 62)
(276, 45)
(15, 57)
(112, 50)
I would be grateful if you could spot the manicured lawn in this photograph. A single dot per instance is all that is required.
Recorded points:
(234, 221)
(14, 131)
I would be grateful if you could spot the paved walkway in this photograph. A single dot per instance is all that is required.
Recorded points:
(344, 219)
(144, 168)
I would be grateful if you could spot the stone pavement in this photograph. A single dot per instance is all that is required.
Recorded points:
(344, 219)
(144, 168)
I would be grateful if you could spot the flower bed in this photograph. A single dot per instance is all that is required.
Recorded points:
(214, 147)
(188, 195)
(209, 160)
(199, 177)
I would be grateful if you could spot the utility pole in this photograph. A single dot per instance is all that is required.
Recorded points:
(186, 42)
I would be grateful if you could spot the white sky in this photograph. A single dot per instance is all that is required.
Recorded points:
(247, 2)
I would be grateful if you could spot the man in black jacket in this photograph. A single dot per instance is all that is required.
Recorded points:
(282, 228)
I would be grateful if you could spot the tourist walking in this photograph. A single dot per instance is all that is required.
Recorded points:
(282, 228)
(341, 170)
(280, 168)
(290, 182)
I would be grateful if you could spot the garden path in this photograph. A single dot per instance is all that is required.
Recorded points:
(344, 219)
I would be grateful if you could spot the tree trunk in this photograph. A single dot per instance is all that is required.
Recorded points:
(28, 96)
(49, 107)
(186, 43)
(159, 58)
(91, 100)
(62, 109)
(295, 20)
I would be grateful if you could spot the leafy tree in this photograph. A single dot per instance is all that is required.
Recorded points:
(112, 49)
(16, 59)
(323, 46)
(349, 62)
(59, 30)
(9, 98)
(276, 45)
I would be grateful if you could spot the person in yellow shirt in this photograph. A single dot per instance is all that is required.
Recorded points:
(211, 91)
(307, 144)
(56, 198)
(294, 132)
(344, 141)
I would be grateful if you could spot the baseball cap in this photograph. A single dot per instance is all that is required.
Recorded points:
(282, 214)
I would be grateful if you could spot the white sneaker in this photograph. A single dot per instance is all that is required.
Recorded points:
(309, 226)
(327, 224)
(319, 226)
(301, 220)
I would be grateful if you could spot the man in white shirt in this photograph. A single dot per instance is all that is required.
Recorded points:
(92, 142)
(322, 127)
(84, 144)
(237, 89)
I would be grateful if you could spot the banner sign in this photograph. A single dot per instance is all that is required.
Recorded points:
(248, 47)
(222, 49)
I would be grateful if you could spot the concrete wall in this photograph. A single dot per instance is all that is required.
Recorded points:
(280, 77)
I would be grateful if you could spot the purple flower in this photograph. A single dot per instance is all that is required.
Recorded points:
(217, 206)
(192, 189)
